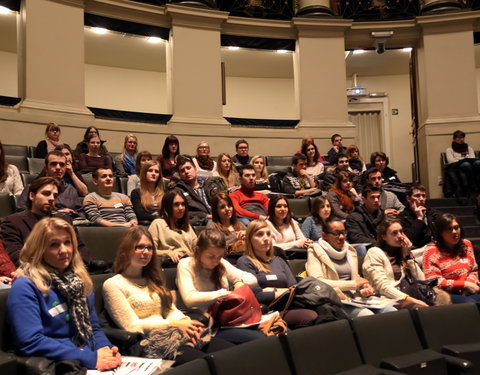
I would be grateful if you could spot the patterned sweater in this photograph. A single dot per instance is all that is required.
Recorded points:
(451, 271)
(115, 208)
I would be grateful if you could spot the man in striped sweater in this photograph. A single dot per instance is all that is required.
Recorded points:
(106, 207)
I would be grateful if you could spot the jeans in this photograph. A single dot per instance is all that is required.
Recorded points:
(239, 335)
(456, 298)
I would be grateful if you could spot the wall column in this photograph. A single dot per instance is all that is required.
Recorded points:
(320, 76)
(195, 85)
(52, 57)
(447, 90)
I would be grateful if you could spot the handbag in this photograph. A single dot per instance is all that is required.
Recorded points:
(419, 289)
(238, 308)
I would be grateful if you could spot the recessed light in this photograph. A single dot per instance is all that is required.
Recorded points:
(407, 49)
(99, 30)
(233, 48)
(4, 10)
(358, 51)
(282, 51)
(154, 39)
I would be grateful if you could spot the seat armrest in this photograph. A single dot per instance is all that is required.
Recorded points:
(457, 365)
(419, 359)
(121, 338)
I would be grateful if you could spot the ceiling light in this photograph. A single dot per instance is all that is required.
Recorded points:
(233, 48)
(407, 49)
(99, 30)
(154, 39)
(282, 51)
(4, 10)
(358, 51)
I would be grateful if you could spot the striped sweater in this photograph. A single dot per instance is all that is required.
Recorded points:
(115, 208)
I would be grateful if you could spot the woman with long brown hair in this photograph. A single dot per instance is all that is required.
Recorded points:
(342, 196)
(10, 180)
(146, 200)
(134, 180)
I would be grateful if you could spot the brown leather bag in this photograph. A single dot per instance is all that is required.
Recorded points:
(239, 307)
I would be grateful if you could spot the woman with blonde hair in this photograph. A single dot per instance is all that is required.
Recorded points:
(146, 200)
(203, 162)
(134, 180)
(52, 140)
(226, 176)
(138, 300)
(262, 184)
(125, 162)
(273, 274)
(51, 308)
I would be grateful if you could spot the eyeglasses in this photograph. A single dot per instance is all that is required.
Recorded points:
(142, 248)
(338, 233)
(243, 148)
(203, 147)
(454, 227)
(55, 163)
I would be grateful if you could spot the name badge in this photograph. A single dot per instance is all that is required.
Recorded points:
(118, 205)
(54, 311)
(271, 277)
(463, 260)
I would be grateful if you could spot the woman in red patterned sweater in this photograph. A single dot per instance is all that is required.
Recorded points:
(451, 261)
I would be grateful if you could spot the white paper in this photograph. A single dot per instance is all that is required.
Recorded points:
(132, 366)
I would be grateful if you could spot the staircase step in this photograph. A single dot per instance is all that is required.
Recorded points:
(468, 220)
(442, 202)
(472, 231)
(457, 210)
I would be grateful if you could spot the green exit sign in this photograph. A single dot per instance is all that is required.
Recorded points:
(394, 111)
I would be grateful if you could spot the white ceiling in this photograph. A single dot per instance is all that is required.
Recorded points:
(134, 52)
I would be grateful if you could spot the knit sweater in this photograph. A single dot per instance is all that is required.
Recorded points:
(450, 271)
(131, 306)
(287, 236)
(115, 208)
(42, 329)
(166, 240)
(245, 196)
(311, 230)
(198, 290)
(13, 185)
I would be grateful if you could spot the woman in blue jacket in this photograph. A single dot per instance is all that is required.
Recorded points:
(51, 308)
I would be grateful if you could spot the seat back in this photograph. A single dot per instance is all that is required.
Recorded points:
(322, 349)
(15, 150)
(196, 367)
(7, 205)
(5, 335)
(27, 178)
(299, 207)
(297, 265)
(257, 357)
(450, 324)
(17, 160)
(35, 165)
(122, 181)
(279, 160)
(102, 242)
(386, 335)
(98, 281)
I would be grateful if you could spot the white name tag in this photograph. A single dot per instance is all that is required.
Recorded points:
(271, 277)
(54, 311)
(118, 205)
(463, 260)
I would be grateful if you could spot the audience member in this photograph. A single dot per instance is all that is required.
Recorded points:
(82, 147)
(172, 233)
(285, 231)
(125, 162)
(300, 183)
(197, 191)
(273, 274)
(51, 307)
(8, 271)
(72, 174)
(451, 261)
(226, 175)
(10, 180)
(146, 199)
(314, 166)
(307, 141)
(388, 200)
(204, 164)
(337, 148)
(417, 219)
(355, 162)
(224, 218)
(330, 175)
(42, 196)
(380, 161)
(262, 184)
(387, 264)
(134, 180)
(106, 207)
(362, 222)
(52, 140)
(319, 212)
(241, 157)
(138, 300)
(463, 167)
(333, 261)
(342, 196)
(168, 157)
(207, 276)
(68, 201)
(93, 159)
(248, 203)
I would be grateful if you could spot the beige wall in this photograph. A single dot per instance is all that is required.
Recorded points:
(125, 89)
(268, 98)
(8, 74)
